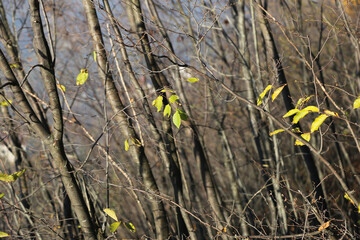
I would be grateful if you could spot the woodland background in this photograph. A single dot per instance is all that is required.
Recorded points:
(148, 109)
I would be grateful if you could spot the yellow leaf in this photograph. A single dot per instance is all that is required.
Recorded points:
(305, 136)
(331, 113)
(5, 103)
(346, 196)
(14, 65)
(356, 103)
(192, 80)
(296, 130)
(302, 101)
(324, 226)
(82, 77)
(62, 87)
(311, 109)
(94, 55)
(277, 92)
(111, 213)
(126, 145)
(12, 177)
(291, 112)
(114, 226)
(318, 121)
(262, 95)
(276, 132)
(2, 194)
(300, 115)
(130, 226)
(2, 234)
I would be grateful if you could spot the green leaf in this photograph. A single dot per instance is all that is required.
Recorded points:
(299, 116)
(318, 121)
(276, 132)
(130, 226)
(82, 77)
(111, 213)
(262, 95)
(2, 234)
(277, 92)
(305, 136)
(94, 55)
(183, 115)
(126, 145)
(192, 80)
(62, 87)
(2, 194)
(356, 103)
(158, 102)
(114, 226)
(11, 178)
(167, 110)
(291, 112)
(177, 119)
(173, 98)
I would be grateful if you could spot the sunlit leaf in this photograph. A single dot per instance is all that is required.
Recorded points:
(305, 136)
(317, 122)
(114, 226)
(311, 109)
(346, 196)
(299, 115)
(291, 112)
(302, 101)
(5, 103)
(177, 119)
(167, 90)
(158, 102)
(2, 194)
(277, 92)
(276, 132)
(331, 113)
(356, 103)
(130, 226)
(126, 143)
(324, 226)
(82, 77)
(167, 110)
(12, 177)
(2, 234)
(262, 95)
(94, 55)
(111, 213)
(62, 87)
(173, 98)
(14, 65)
(192, 80)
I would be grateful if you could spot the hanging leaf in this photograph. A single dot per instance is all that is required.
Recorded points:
(12, 177)
(130, 226)
(82, 77)
(111, 213)
(94, 55)
(183, 115)
(62, 87)
(126, 145)
(2, 234)
(173, 98)
(356, 103)
(311, 109)
(277, 92)
(114, 226)
(14, 65)
(346, 196)
(296, 130)
(299, 116)
(324, 226)
(177, 119)
(5, 103)
(331, 113)
(305, 136)
(167, 110)
(2, 194)
(302, 101)
(192, 80)
(167, 90)
(262, 95)
(317, 122)
(158, 102)
(276, 132)
(291, 112)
